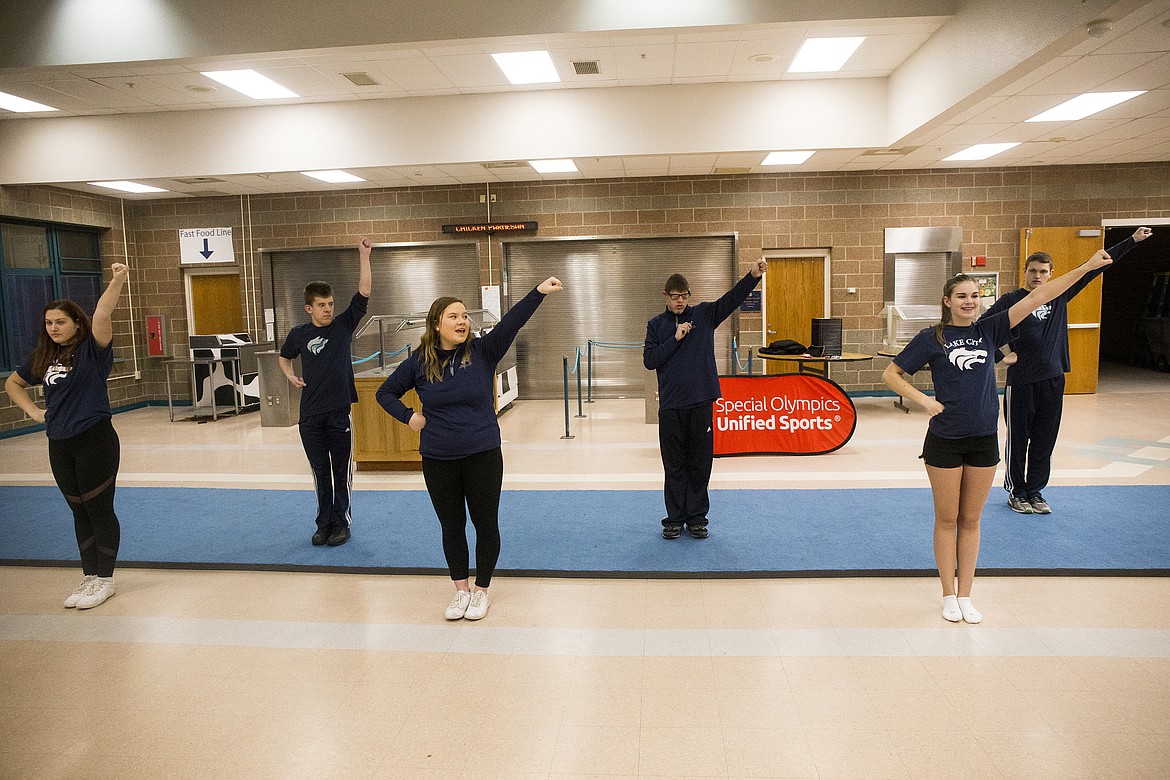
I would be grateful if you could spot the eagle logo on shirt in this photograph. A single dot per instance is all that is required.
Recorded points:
(1041, 313)
(54, 374)
(964, 359)
(316, 345)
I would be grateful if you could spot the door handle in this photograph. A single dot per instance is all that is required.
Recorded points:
(771, 331)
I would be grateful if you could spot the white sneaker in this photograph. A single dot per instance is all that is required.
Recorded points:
(75, 596)
(458, 606)
(97, 590)
(478, 607)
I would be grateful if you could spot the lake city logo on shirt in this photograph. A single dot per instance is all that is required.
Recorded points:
(54, 374)
(964, 359)
(1041, 313)
(316, 345)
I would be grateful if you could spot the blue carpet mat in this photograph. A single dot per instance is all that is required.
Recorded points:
(1111, 529)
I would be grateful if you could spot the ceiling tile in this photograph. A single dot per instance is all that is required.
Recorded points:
(703, 60)
(1086, 74)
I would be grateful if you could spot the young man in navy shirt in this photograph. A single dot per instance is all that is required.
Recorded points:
(680, 346)
(328, 390)
(1034, 397)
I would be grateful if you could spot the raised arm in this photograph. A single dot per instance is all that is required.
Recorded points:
(1055, 288)
(731, 300)
(496, 342)
(103, 315)
(365, 275)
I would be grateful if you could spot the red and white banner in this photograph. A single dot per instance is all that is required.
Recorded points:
(789, 414)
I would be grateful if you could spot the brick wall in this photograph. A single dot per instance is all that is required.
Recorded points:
(845, 211)
(50, 204)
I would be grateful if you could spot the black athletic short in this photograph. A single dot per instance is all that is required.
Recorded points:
(952, 453)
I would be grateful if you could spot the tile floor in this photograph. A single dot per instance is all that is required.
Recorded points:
(269, 674)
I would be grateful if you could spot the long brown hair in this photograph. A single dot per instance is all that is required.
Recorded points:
(428, 346)
(49, 351)
(948, 288)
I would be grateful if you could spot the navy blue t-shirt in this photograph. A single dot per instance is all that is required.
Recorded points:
(460, 409)
(687, 375)
(1041, 340)
(326, 364)
(75, 396)
(963, 372)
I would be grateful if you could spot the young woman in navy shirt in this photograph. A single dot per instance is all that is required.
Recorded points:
(454, 374)
(961, 449)
(72, 360)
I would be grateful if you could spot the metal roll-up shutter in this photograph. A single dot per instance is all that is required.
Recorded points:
(612, 287)
(918, 282)
(407, 278)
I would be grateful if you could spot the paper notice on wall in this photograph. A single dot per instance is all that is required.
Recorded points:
(489, 297)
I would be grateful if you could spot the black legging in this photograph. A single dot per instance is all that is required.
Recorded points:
(473, 481)
(86, 467)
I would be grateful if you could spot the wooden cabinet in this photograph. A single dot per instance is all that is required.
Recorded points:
(380, 441)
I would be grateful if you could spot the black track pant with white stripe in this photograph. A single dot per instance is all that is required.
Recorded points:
(85, 467)
(1032, 413)
(328, 442)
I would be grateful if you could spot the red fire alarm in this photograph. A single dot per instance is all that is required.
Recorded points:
(156, 336)
(978, 261)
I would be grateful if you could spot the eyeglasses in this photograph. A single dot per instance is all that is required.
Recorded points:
(679, 296)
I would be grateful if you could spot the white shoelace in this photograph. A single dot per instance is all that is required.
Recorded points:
(93, 586)
(80, 590)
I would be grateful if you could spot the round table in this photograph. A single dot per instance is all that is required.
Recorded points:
(817, 366)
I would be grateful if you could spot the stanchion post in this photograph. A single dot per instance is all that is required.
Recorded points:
(580, 413)
(565, 372)
(589, 365)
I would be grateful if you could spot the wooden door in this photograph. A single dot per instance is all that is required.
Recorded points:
(1069, 250)
(795, 295)
(215, 304)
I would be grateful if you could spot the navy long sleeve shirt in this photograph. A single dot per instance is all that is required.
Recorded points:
(460, 409)
(1041, 339)
(687, 375)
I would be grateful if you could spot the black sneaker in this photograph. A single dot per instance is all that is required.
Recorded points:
(321, 536)
(339, 536)
(697, 531)
(671, 531)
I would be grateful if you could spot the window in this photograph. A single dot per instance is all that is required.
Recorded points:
(40, 263)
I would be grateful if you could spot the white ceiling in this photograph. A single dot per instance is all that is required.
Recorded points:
(920, 65)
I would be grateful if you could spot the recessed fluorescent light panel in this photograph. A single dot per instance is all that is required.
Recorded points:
(527, 67)
(127, 186)
(786, 158)
(1084, 105)
(981, 151)
(20, 105)
(333, 177)
(553, 166)
(823, 55)
(250, 83)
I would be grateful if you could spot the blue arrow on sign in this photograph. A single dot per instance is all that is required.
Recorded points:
(205, 251)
